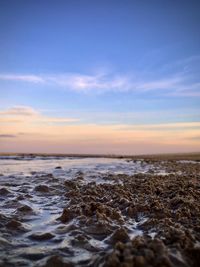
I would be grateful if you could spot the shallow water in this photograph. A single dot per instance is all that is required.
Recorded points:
(189, 161)
(25, 165)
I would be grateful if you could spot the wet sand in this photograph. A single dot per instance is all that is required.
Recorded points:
(111, 212)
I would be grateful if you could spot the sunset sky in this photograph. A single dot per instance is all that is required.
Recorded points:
(109, 76)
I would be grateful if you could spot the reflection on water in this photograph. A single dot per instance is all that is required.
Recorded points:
(25, 166)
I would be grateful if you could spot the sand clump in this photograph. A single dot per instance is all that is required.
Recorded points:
(41, 236)
(25, 209)
(141, 252)
(57, 261)
(4, 191)
(42, 188)
(170, 205)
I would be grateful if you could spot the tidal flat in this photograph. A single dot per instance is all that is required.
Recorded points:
(61, 211)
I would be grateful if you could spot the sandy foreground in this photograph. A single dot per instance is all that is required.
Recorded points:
(148, 216)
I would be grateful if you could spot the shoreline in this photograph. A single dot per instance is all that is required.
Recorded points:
(163, 156)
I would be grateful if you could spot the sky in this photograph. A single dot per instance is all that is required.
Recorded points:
(108, 77)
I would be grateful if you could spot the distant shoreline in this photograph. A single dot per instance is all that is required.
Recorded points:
(163, 156)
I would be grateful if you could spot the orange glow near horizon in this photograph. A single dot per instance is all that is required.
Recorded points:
(31, 132)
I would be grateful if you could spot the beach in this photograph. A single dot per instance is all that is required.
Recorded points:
(99, 211)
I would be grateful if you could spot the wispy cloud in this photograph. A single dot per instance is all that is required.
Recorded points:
(19, 114)
(7, 136)
(192, 90)
(76, 81)
(163, 84)
(100, 81)
(177, 126)
(23, 78)
(177, 84)
(19, 111)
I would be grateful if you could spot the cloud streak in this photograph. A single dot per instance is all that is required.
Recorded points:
(22, 78)
(76, 81)
(7, 136)
(178, 84)
(19, 111)
(20, 114)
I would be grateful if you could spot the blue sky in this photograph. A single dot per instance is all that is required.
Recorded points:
(102, 62)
